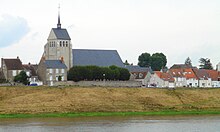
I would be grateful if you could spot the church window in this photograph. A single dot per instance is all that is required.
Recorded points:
(63, 43)
(60, 44)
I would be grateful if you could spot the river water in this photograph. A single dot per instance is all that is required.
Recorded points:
(114, 124)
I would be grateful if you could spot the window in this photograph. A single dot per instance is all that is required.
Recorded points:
(140, 75)
(57, 70)
(57, 78)
(51, 78)
(50, 70)
(62, 70)
(14, 73)
(60, 44)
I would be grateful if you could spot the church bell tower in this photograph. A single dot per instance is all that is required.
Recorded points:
(59, 46)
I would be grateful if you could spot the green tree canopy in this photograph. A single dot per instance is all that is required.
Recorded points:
(78, 73)
(126, 62)
(21, 78)
(144, 60)
(157, 61)
(188, 61)
(205, 63)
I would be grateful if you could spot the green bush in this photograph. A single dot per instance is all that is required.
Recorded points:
(78, 73)
(21, 78)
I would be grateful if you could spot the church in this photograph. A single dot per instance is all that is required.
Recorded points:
(59, 56)
(59, 47)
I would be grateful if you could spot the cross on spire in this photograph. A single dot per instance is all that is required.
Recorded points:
(59, 24)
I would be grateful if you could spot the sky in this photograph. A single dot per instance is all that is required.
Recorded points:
(177, 28)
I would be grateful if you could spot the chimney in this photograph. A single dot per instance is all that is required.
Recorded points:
(62, 59)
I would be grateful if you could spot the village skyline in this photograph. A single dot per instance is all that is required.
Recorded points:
(177, 29)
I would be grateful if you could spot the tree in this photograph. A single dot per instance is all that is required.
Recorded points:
(21, 78)
(126, 62)
(188, 61)
(157, 61)
(78, 73)
(163, 57)
(144, 60)
(205, 63)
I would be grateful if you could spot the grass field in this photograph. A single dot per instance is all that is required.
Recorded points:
(97, 101)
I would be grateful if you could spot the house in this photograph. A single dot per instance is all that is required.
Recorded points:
(2, 78)
(180, 66)
(51, 71)
(191, 78)
(32, 74)
(142, 74)
(214, 75)
(204, 80)
(179, 77)
(163, 80)
(11, 68)
(103, 58)
(218, 67)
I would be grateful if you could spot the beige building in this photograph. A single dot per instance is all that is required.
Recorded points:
(59, 45)
(11, 68)
(51, 71)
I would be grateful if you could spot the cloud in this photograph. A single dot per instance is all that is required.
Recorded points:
(12, 30)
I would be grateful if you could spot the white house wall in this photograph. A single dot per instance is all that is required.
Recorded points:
(180, 81)
(205, 83)
(194, 82)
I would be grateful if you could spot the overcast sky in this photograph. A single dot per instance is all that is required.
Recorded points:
(177, 28)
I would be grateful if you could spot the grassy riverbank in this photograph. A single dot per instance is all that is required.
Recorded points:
(98, 101)
(96, 114)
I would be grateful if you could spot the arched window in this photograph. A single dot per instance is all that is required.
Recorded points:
(60, 43)
(66, 43)
(63, 43)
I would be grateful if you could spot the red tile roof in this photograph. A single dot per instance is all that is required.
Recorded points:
(189, 73)
(213, 74)
(164, 76)
(176, 72)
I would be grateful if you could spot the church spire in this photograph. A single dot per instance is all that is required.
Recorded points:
(59, 24)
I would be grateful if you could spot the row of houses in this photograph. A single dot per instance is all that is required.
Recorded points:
(46, 72)
(49, 71)
(177, 76)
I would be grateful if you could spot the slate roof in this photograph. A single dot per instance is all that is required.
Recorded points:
(55, 64)
(61, 33)
(104, 58)
(13, 64)
(132, 68)
(31, 69)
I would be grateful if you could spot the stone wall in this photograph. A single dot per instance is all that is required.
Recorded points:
(101, 83)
